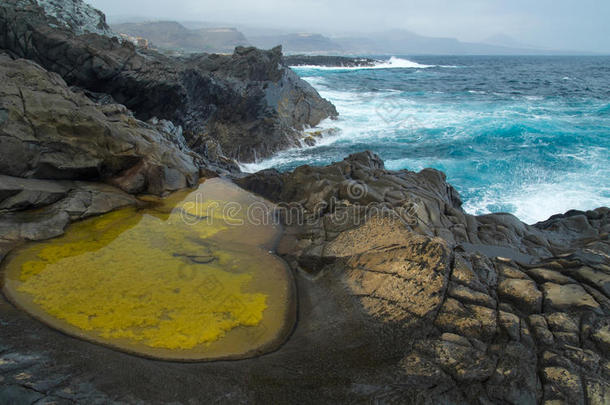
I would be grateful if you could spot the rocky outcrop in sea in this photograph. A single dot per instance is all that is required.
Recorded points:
(402, 296)
(329, 61)
(249, 103)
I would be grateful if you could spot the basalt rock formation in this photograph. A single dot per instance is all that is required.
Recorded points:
(49, 132)
(488, 309)
(58, 146)
(61, 121)
(403, 298)
(330, 61)
(428, 204)
(32, 209)
(248, 103)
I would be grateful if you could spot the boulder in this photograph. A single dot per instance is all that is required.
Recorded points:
(74, 200)
(468, 295)
(601, 336)
(522, 293)
(562, 297)
(510, 324)
(76, 16)
(514, 380)
(395, 275)
(52, 133)
(467, 319)
(464, 363)
(542, 275)
(19, 193)
(562, 384)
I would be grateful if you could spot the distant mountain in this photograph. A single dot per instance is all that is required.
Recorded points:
(507, 41)
(198, 36)
(297, 43)
(394, 42)
(174, 36)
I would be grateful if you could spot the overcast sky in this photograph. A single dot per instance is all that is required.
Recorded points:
(582, 25)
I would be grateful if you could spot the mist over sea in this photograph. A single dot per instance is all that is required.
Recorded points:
(526, 135)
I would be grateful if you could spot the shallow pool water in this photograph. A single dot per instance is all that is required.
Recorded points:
(189, 277)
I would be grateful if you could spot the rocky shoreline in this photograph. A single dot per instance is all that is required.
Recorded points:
(248, 105)
(402, 296)
(328, 61)
(394, 306)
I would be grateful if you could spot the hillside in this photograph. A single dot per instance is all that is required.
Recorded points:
(174, 36)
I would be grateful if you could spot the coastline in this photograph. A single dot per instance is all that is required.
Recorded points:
(401, 296)
(507, 147)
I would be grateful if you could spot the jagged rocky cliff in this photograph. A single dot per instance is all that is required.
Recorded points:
(51, 132)
(65, 125)
(248, 103)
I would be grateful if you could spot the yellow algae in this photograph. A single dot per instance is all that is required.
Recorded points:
(150, 300)
(227, 212)
(164, 281)
(85, 237)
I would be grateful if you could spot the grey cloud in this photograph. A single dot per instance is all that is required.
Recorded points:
(558, 24)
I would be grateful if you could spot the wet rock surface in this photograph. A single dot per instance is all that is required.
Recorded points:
(53, 133)
(505, 312)
(249, 102)
(330, 61)
(52, 206)
(391, 308)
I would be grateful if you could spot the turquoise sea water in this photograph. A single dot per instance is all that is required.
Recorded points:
(526, 135)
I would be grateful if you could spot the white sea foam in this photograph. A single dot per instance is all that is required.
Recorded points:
(537, 202)
(392, 63)
(390, 116)
(395, 62)
(276, 160)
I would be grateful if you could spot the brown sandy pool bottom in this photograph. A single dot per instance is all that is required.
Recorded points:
(189, 277)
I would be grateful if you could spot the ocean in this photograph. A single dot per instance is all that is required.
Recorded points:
(527, 135)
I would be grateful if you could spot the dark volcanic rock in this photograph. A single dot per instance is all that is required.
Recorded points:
(249, 102)
(429, 206)
(75, 15)
(329, 61)
(392, 307)
(41, 209)
(50, 132)
(488, 308)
